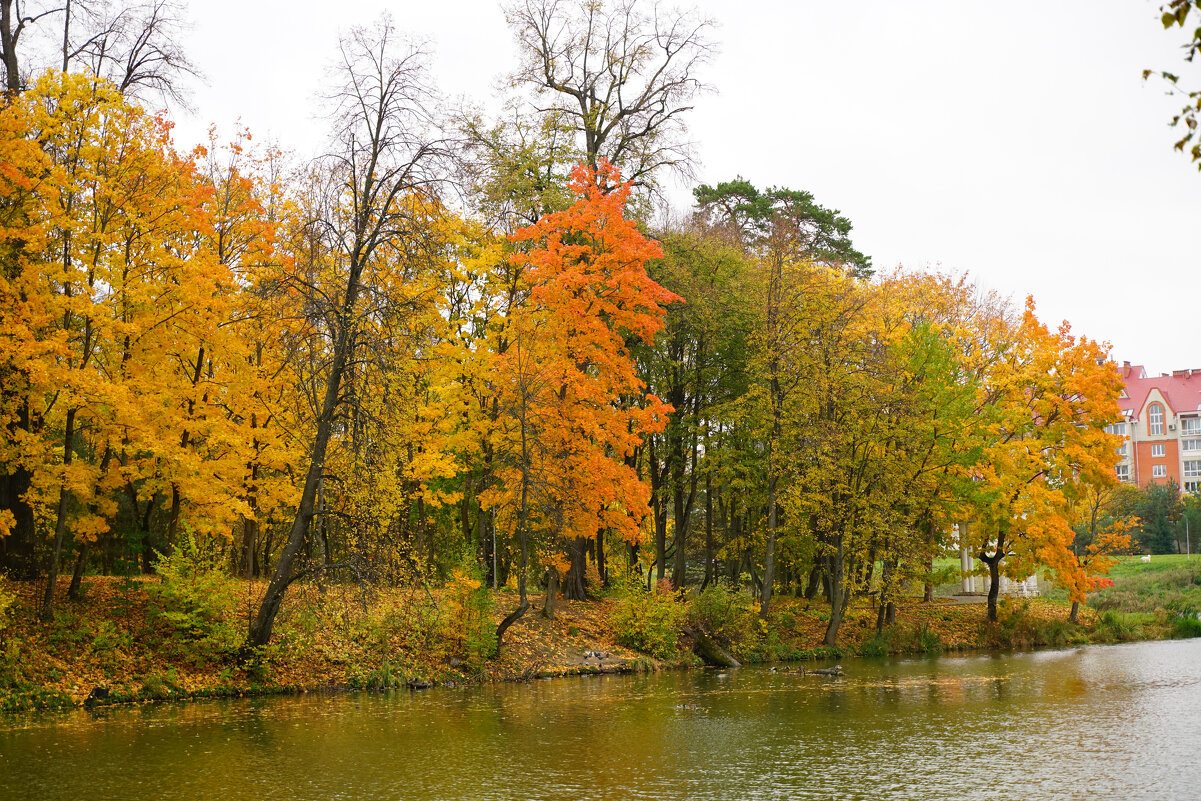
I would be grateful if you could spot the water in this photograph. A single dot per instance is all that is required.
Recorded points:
(1116, 722)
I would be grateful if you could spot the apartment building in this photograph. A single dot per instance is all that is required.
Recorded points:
(1161, 426)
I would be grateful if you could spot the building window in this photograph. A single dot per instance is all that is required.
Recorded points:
(1190, 425)
(1123, 471)
(1117, 428)
(1192, 486)
(1192, 469)
(1159, 471)
(1158, 450)
(1155, 420)
(1121, 451)
(1190, 444)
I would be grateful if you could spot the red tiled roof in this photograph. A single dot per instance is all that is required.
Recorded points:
(1181, 389)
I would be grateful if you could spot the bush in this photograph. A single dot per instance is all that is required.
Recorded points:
(1184, 620)
(649, 622)
(726, 615)
(876, 646)
(1184, 626)
(195, 599)
(1116, 627)
(470, 616)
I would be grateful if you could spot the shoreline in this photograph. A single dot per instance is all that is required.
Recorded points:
(120, 652)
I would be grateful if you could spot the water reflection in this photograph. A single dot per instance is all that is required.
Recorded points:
(1099, 721)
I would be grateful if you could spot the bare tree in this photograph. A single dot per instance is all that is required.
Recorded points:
(623, 74)
(385, 153)
(136, 46)
(16, 19)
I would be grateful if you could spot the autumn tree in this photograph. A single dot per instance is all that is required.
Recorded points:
(137, 46)
(792, 237)
(1103, 531)
(589, 296)
(1049, 396)
(124, 339)
(385, 157)
(697, 365)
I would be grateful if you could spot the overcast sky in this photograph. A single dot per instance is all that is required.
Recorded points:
(1013, 141)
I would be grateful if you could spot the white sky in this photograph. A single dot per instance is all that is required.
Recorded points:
(1014, 141)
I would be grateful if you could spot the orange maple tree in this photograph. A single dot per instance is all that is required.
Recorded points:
(574, 405)
(1049, 396)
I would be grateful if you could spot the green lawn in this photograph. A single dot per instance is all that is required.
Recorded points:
(1170, 582)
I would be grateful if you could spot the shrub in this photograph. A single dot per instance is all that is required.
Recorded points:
(649, 622)
(928, 641)
(876, 646)
(470, 616)
(1184, 626)
(108, 641)
(195, 599)
(1116, 627)
(726, 615)
(160, 686)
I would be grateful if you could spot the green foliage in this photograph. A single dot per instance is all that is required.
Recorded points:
(471, 611)
(1145, 588)
(196, 600)
(649, 622)
(23, 697)
(1117, 627)
(109, 642)
(917, 639)
(386, 677)
(1160, 511)
(727, 615)
(160, 686)
(1017, 627)
(878, 645)
(816, 654)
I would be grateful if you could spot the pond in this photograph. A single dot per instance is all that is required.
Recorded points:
(1102, 721)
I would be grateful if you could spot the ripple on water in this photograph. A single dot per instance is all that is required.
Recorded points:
(1114, 722)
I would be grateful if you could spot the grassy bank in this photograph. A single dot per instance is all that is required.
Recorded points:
(137, 642)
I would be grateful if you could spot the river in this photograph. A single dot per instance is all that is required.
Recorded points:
(1120, 722)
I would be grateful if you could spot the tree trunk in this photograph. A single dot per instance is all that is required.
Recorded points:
(708, 530)
(928, 587)
(994, 581)
(1073, 617)
(838, 595)
(659, 513)
(602, 569)
(575, 585)
(248, 564)
(815, 582)
(552, 590)
(680, 516)
(264, 622)
(17, 549)
(60, 524)
(524, 604)
(9, 35)
(77, 574)
(769, 559)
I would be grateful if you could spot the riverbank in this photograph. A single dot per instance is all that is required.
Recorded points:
(125, 641)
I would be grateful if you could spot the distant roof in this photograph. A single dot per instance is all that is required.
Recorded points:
(1181, 389)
